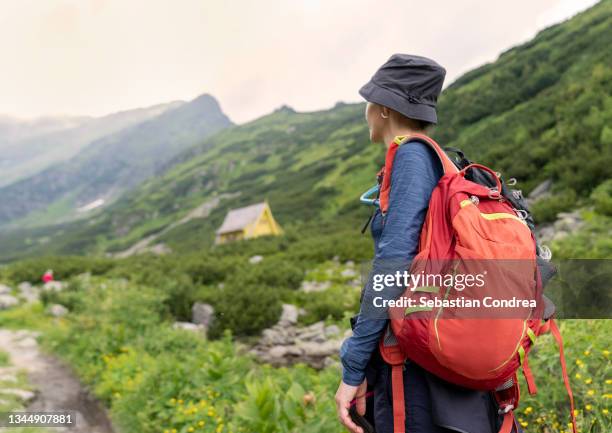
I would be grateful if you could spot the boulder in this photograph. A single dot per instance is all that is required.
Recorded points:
(56, 286)
(24, 285)
(202, 314)
(540, 191)
(314, 286)
(332, 331)
(277, 351)
(8, 301)
(191, 327)
(255, 259)
(28, 292)
(57, 310)
(289, 315)
(348, 273)
(5, 290)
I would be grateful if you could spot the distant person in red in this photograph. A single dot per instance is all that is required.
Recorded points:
(47, 276)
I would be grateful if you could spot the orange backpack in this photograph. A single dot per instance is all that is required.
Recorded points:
(469, 227)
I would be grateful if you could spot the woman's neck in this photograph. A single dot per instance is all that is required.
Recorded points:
(390, 135)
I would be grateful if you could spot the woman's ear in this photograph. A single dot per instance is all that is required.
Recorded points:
(384, 112)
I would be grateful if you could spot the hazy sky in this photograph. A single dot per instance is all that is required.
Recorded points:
(98, 56)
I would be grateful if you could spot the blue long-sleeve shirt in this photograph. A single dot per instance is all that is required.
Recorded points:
(416, 171)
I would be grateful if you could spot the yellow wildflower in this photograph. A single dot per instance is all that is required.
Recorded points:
(576, 412)
(606, 353)
(201, 423)
(587, 352)
(607, 396)
(605, 411)
(528, 410)
(591, 392)
(608, 381)
(588, 407)
(578, 376)
(524, 423)
(180, 401)
(190, 429)
(588, 381)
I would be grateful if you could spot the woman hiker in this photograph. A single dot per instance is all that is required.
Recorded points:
(401, 100)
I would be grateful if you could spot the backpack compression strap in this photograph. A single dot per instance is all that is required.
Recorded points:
(447, 164)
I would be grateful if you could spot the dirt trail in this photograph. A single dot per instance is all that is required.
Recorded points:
(56, 386)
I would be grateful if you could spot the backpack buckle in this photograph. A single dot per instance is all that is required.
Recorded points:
(521, 213)
(505, 409)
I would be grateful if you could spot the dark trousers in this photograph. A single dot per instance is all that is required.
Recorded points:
(431, 405)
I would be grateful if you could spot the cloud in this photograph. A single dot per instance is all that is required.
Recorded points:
(100, 56)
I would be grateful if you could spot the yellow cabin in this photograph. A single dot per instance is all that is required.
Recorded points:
(248, 222)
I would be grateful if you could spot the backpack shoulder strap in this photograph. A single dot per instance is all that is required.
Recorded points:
(448, 166)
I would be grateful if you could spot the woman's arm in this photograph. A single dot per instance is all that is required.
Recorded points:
(416, 171)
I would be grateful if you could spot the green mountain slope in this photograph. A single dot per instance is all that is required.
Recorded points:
(110, 165)
(29, 146)
(542, 110)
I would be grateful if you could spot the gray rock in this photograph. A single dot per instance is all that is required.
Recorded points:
(255, 259)
(188, 326)
(332, 331)
(314, 286)
(314, 332)
(294, 350)
(57, 310)
(5, 290)
(202, 314)
(566, 224)
(320, 350)
(8, 301)
(540, 191)
(277, 351)
(348, 273)
(56, 286)
(331, 363)
(349, 263)
(24, 285)
(28, 292)
(289, 315)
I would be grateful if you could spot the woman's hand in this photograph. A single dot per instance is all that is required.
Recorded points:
(344, 396)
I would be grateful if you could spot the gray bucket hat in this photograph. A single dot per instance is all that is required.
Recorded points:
(407, 84)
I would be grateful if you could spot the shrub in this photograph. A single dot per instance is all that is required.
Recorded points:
(546, 209)
(245, 309)
(63, 267)
(602, 198)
